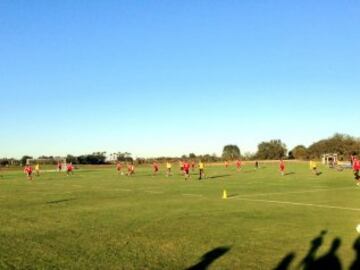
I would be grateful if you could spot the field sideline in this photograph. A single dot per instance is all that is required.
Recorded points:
(97, 219)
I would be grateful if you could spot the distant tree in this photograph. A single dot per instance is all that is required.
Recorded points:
(248, 156)
(299, 152)
(192, 155)
(231, 152)
(72, 159)
(343, 145)
(274, 149)
(24, 158)
(94, 158)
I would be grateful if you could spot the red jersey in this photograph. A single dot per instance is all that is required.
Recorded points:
(28, 169)
(356, 164)
(69, 167)
(238, 163)
(186, 166)
(282, 165)
(118, 166)
(156, 167)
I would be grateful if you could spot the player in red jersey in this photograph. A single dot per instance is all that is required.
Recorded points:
(282, 167)
(226, 163)
(69, 169)
(186, 168)
(238, 165)
(356, 168)
(28, 170)
(155, 168)
(119, 167)
(59, 166)
(131, 169)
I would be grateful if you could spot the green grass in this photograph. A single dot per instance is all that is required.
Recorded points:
(99, 220)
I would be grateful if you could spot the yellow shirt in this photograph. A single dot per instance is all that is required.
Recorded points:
(312, 164)
(201, 165)
(37, 167)
(168, 165)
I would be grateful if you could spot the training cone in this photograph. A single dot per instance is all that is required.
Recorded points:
(224, 194)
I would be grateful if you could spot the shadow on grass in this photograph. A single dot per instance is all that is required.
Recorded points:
(60, 201)
(289, 173)
(219, 176)
(208, 258)
(328, 261)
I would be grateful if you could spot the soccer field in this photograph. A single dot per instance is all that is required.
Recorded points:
(97, 219)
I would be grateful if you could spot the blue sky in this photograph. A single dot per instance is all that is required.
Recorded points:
(174, 77)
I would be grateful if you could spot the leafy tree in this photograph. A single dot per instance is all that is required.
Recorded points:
(274, 149)
(24, 158)
(192, 155)
(343, 145)
(299, 152)
(231, 152)
(72, 159)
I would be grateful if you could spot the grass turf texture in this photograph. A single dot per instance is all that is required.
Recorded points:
(97, 219)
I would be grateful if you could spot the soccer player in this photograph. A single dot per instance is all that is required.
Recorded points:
(186, 168)
(313, 167)
(282, 167)
(226, 164)
(155, 168)
(193, 165)
(69, 169)
(59, 166)
(238, 165)
(201, 170)
(28, 170)
(37, 169)
(119, 167)
(181, 163)
(257, 165)
(131, 169)
(356, 168)
(168, 169)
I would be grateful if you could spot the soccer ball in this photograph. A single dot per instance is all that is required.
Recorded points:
(358, 228)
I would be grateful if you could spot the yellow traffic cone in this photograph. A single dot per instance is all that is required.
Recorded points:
(224, 194)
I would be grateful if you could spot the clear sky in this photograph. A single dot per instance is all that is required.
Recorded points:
(174, 77)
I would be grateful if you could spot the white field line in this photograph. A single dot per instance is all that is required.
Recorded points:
(301, 204)
(154, 192)
(123, 189)
(195, 195)
(293, 192)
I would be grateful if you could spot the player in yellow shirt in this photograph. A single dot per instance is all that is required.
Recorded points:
(168, 169)
(37, 169)
(201, 170)
(313, 167)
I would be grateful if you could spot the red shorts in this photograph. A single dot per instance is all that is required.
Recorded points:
(186, 171)
(282, 168)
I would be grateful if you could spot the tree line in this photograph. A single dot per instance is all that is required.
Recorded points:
(342, 144)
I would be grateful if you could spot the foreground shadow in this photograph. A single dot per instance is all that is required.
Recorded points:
(208, 258)
(329, 261)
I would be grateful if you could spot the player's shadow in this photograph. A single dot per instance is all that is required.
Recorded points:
(208, 258)
(60, 201)
(319, 173)
(289, 173)
(219, 176)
